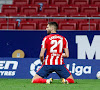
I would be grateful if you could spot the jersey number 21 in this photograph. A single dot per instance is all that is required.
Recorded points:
(55, 44)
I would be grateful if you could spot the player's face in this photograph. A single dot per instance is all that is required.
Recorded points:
(48, 29)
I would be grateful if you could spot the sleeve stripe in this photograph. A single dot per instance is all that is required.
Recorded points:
(43, 43)
(66, 43)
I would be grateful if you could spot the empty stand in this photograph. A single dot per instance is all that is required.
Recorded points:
(21, 2)
(67, 26)
(60, 2)
(17, 15)
(26, 25)
(99, 26)
(9, 9)
(38, 15)
(2, 15)
(78, 15)
(30, 9)
(85, 26)
(8, 25)
(43, 25)
(80, 2)
(58, 15)
(44, 2)
(70, 9)
(89, 9)
(96, 2)
(50, 9)
(95, 15)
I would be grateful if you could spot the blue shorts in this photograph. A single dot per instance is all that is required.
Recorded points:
(61, 70)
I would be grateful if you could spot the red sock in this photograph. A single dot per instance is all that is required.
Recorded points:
(70, 80)
(39, 80)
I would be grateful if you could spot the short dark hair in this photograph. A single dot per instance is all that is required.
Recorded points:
(53, 24)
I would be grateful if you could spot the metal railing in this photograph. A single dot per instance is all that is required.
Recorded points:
(89, 18)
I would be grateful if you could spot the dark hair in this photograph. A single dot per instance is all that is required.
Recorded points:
(53, 24)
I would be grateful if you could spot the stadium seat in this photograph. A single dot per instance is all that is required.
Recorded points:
(80, 2)
(58, 15)
(97, 23)
(67, 26)
(70, 9)
(9, 9)
(26, 25)
(50, 9)
(17, 15)
(42, 25)
(59, 2)
(38, 15)
(89, 9)
(78, 15)
(18, 20)
(21, 2)
(95, 2)
(37, 2)
(96, 15)
(99, 26)
(8, 25)
(30, 9)
(2, 15)
(85, 26)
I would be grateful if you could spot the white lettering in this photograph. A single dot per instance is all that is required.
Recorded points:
(54, 37)
(6, 64)
(1, 64)
(87, 70)
(73, 67)
(7, 73)
(2, 72)
(79, 70)
(84, 47)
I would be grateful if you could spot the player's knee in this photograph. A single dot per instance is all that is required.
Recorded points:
(35, 77)
(71, 77)
(32, 80)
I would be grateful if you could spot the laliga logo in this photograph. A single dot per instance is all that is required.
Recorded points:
(35, 66)
(79, 70)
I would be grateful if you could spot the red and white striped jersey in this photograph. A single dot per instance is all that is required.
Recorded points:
(54, 44)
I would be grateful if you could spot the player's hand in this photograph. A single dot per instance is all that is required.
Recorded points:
(64, 55)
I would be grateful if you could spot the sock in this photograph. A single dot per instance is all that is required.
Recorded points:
(70, 80)
(39, 80)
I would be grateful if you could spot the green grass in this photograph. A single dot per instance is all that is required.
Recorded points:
(24, 84)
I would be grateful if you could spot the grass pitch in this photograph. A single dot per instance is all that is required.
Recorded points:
(25, 84)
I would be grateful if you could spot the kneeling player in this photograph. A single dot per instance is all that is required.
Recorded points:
(54, 44)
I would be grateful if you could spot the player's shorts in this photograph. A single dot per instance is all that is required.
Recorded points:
(61, 70)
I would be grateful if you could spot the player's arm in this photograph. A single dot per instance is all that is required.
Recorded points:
(43, 48)
(66, 50)
(66, 54)
(42, 54)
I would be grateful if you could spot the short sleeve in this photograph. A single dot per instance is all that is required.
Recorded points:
(43, 45)
(65, 43)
